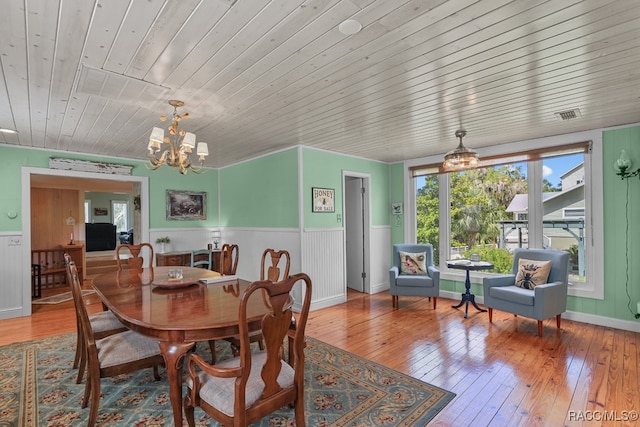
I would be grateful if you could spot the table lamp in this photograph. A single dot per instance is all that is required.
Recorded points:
(215, 235)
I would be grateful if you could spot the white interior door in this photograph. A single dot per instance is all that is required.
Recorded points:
(354, 233)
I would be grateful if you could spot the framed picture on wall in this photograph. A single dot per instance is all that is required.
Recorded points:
(100, 211)
(186, 205)
(323, 199)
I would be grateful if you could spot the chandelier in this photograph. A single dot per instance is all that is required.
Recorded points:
(460, 158)
(176, 149)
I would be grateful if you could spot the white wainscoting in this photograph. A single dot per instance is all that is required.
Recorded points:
(15, 286)
(323, 261)
(253, 241)
(380, 254)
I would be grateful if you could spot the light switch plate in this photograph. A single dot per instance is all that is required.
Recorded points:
(15, 241)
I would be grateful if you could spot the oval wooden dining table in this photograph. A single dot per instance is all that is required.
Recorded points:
(177, 312)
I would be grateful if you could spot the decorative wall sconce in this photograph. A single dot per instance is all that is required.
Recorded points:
(623, 164)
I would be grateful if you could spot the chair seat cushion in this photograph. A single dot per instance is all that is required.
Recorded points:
(125, 347)
(414, 281)
(103, 321)
(513, 294)
(219, 392)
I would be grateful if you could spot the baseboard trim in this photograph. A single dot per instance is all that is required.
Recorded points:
(12, 312)
(593, 319)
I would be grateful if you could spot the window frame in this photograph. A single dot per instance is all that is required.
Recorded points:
(593, 287)
(126, 217)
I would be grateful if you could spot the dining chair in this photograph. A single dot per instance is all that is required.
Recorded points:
(280, 261)
(244, 389)
(272, 264)
(131, 253)
(201, 258)
(112, 355)
(103, 323)
(229, 254)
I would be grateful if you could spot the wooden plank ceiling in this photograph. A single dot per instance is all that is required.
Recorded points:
(261, 75)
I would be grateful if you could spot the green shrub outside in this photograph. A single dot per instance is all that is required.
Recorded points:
(501, 259)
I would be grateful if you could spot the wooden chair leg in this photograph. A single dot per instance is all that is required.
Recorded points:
(434, 302)
(539, 328)
(189, 410)
(82, 367)
(490, 314)
(394, 301)
(156, 374)
(87, 392)
(212, 347)
(95, 401)
(558, 321)
(76, 359)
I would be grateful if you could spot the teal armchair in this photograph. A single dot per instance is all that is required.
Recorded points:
(544, 301)
(424, 281)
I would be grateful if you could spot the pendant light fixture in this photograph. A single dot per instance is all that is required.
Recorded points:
(462, 157)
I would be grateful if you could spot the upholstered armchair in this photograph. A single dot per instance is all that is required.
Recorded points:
(527, 291)
(413, 273)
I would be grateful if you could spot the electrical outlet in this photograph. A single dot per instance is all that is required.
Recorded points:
(15, 241)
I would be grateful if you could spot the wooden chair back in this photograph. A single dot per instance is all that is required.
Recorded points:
(130, 343)
(229, 254)
(273, 262)
(276, 326)
(81, 311)
(135, 259)
(201, 258)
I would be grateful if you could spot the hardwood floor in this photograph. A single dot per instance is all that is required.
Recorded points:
(502, 373)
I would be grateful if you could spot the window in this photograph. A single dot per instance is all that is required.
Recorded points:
(120, 211)
(87, 211)
(539, 201)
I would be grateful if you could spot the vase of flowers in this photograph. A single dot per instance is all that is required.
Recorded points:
(164, 243)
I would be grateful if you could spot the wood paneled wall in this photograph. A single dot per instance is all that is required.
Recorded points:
(50, 209)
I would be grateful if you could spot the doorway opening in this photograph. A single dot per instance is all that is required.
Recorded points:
(80, 181)
(357, 224)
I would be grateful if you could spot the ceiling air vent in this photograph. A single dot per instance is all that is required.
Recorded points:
(569, 114)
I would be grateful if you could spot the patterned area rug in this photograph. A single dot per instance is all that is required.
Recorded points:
(37, 388)
(63, 297)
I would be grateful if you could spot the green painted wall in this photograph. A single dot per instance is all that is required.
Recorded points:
(617, 236)
(165, 178)
(103, 200)
(261, 193)
(323, 169)
(396, 191)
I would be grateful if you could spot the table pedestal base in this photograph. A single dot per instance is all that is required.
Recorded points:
(467, 298)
